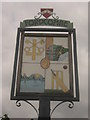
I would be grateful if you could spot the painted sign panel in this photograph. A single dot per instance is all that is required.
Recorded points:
(45, 64)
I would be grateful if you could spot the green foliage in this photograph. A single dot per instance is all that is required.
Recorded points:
(5, 117)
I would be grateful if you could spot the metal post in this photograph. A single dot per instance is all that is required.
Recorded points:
(44, 109)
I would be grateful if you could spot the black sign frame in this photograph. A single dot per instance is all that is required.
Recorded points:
(37, 97)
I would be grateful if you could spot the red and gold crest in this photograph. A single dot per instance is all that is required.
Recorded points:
(46, 12)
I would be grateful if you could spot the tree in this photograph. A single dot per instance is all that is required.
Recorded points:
(5, 117)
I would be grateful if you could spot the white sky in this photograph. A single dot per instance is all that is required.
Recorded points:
(12, 14)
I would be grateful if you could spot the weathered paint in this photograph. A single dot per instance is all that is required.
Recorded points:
(46, 22)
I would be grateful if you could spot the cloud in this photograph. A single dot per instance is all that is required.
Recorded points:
(12, 14)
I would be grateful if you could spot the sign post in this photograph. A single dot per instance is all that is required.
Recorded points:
(45, 66)
(44, 109)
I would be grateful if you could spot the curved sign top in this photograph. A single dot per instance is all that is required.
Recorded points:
(46, 13)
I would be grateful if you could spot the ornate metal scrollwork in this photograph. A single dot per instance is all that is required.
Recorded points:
(54, 16)
(18, 104)
(39, 15)
(71, 105)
